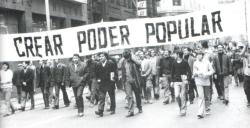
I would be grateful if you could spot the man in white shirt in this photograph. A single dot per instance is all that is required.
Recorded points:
(202, 70)
(6, 76)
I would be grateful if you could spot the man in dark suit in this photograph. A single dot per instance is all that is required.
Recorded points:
(223, 70)
(43, 81)
(17, 81)
(78, 75)
(28, 87)
(105, 77)
(59, 77)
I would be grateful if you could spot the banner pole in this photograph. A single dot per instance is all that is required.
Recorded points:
(246, 18)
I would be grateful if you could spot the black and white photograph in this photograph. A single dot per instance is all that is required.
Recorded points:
(125, 63)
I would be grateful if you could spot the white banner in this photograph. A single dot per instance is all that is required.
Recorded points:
(94, 38)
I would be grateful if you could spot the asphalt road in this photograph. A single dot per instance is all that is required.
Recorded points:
(156, 115)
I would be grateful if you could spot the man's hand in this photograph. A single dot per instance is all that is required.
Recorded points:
(24, 83)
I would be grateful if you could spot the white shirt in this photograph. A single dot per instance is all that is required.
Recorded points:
(246, 63)
(103, 64)
(6, 78)
(205, 69)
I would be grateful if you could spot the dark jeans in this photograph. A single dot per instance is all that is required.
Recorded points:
(131, 87)
(94, 91)
(58, 86)
(25, 98)
(102, 97)
(191, 88)
(156, 88)
(78, 91)
(19, 93)
(217, 86)
(46, 93)
(247, 87)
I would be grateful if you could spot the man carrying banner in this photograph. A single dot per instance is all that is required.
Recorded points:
(78, 77)
(180, 75)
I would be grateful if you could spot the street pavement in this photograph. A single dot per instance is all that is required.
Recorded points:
(156, 115)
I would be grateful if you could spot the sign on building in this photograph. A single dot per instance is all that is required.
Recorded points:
(142, 12)
(141, 4)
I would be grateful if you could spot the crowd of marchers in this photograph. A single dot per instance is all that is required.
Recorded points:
(183, 74)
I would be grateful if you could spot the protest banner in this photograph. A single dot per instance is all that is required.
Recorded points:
(94, 38)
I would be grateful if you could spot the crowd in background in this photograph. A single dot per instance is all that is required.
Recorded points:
(183, 74)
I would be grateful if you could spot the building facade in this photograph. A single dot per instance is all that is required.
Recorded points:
(176, 7)
(21, 16)
(111, 10)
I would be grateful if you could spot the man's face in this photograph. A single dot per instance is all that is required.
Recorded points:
(199, 56)
(152, 53)
(166, 54)
(4, 67)
(220, 49)
(102, 58)
(56, 60)
(186, 52)
(24, 65)
(75, 59)
(20, 67)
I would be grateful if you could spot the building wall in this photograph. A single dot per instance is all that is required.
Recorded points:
(166, 7)
(29, 15)
(110, 10)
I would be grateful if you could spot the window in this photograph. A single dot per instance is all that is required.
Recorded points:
(176, 2)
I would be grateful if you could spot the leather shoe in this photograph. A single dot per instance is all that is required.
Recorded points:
(140, 111)
(80, 114)
(31, 108)
(130, 114)
(22, 109)
(99, 113)
(56, 107)
(112, 112)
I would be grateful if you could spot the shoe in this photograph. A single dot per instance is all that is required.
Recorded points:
(13, 111)
(226, 102)
(80, 114)
(248, 104)
(183, 113)
(157, 96)
(99, 113)
(55, 107)
(140, 111)
(191, 102)
(6, 115)
(46, 107)
(31, 108)
(166, 102)
(112, 112)
(207, 113)
(108, 110)
(67, 105)
(200, 116)
(22, 108)
(130, 114)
